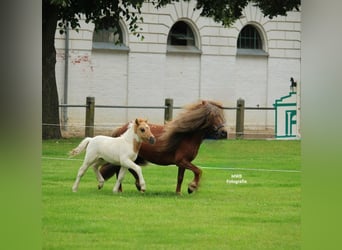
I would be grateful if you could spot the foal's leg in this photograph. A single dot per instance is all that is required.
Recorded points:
(118, 182)
(80, 173)
(136, 177)
(117, 171)
(131, 165)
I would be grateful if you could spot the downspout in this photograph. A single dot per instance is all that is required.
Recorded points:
(66, 76)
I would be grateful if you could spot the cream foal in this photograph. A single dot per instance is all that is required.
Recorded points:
(121, 150)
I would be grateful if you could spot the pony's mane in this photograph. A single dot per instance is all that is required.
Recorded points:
(197, 117)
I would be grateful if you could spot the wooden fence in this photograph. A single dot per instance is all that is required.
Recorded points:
(168, 113)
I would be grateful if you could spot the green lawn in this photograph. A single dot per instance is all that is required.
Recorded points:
(262, 212)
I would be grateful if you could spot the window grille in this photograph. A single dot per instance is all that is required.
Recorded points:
(181, 35)
(249, 38)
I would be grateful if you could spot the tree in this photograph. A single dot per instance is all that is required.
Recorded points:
(106, 14)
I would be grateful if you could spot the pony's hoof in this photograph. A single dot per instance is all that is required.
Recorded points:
(142, 191)
(138, 187)
(99, 186)
(191, 188)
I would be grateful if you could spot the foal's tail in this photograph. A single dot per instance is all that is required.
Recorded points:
(82, 146)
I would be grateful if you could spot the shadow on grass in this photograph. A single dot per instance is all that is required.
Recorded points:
(137, 194)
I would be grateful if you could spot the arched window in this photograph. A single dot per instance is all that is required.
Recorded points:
(111, 38)
(250, 41)
(108, 36)
(181, 38)
(181, 34)
(249, 38)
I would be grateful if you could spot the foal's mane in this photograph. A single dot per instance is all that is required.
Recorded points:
(195, 118)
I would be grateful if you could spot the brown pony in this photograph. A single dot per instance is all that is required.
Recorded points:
(178, 141)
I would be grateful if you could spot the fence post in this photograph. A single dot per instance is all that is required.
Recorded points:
(90, 113)
(168, 110)
(240, 117)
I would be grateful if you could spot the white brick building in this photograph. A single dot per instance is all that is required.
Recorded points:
(185, 57)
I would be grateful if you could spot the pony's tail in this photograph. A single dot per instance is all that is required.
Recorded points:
(82, 146)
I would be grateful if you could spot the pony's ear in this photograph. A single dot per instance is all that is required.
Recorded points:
(137, 121)
(204, 102)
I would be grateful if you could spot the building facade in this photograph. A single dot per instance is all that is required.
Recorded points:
(182, 56)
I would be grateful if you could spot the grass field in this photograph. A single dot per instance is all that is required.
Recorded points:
(262, 211)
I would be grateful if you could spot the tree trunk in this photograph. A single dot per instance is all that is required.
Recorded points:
(50, 109)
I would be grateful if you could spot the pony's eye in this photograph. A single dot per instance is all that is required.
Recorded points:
(142, 130)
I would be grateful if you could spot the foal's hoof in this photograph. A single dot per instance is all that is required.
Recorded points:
(99, 186)
(142, 191)
(190, 191)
